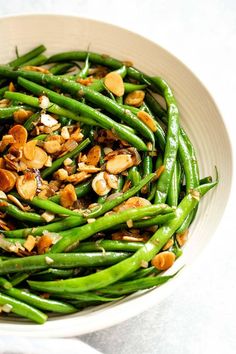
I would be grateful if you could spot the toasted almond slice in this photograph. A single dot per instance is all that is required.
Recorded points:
(65, 133)
(182, 238)
(52, 146)
(119, 163)
(135, 98)
(36, 68)
(39, 160)
(111, 180)
(19, 133)
(29, 149)
(61, 174)
(68, 196)
(21, 115)
(78, 177)
(114, 82)
(7, 180)
(99, 184)
(4, 103)
(77, 135)
(133, 202)
(148, 120)
(163, 260)
(11, 87)
(2, 162)
(88, 168)
(159, 171)
(94, 155)
(43, 244)
(168, 244)
(30, 243)
(26, 186)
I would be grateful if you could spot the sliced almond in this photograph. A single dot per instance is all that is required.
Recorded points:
(39, 160)
(68, 196)
(65, 133)
(163, 260)
(21, 115)
(168, 244)
(133, 202)
(36, 68)
(135, 98)
(77, 135)
(26, 186)
(30, 243)
(2, 162)
(126, 186)
(182, 238)
(29, 149)
(114, 83)
(88, 168)
(52, 146)
(111, 180)
(4, 103)
(78, 177)
(19, 133)
(11, 87)
(7, 180)
(94, 155)
(99, 184)
(148, 120)
(43, 244)
(119, 163)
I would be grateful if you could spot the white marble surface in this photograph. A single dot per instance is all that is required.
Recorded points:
(200, 317)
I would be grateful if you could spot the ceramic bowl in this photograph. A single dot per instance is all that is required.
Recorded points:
(199, 116)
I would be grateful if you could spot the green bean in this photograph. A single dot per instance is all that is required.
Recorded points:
(172, 140)
(53, 108)
(8, 111)
(154, 105)
(142, 273)
(5, 284)
(18, 214)
(39, 302)
(61, 260)
(116, 272)
(18, 278)
(76, 106)
(47, 204)
(132, 286)
(120, 183)
(82, 189)
(57, 163)
(3, 90)
(134, 175)
(130, 87)
(38, 60)
(89, 94)
(40, 137)
(54, 273)
(27, 56)
(84, 71)
(147, 169)
(22, 309)
(71, 238)
(60, 68)
(174, 190)
(109, 245)
(88, 297)
(73, 221)
(29, 123)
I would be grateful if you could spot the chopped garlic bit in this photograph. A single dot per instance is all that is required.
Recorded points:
(44, 102)
(48, 120)
(48, 216)
(49, 260)
(7, 308)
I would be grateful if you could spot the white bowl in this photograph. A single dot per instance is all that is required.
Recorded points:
(199, 116)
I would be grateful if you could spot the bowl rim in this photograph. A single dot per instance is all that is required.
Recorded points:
(143, 302)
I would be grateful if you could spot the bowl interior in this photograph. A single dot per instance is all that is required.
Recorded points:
(199, 116)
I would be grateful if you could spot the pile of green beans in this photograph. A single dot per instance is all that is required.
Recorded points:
(85, 264)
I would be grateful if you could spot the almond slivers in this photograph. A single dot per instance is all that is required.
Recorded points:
(114, 83)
